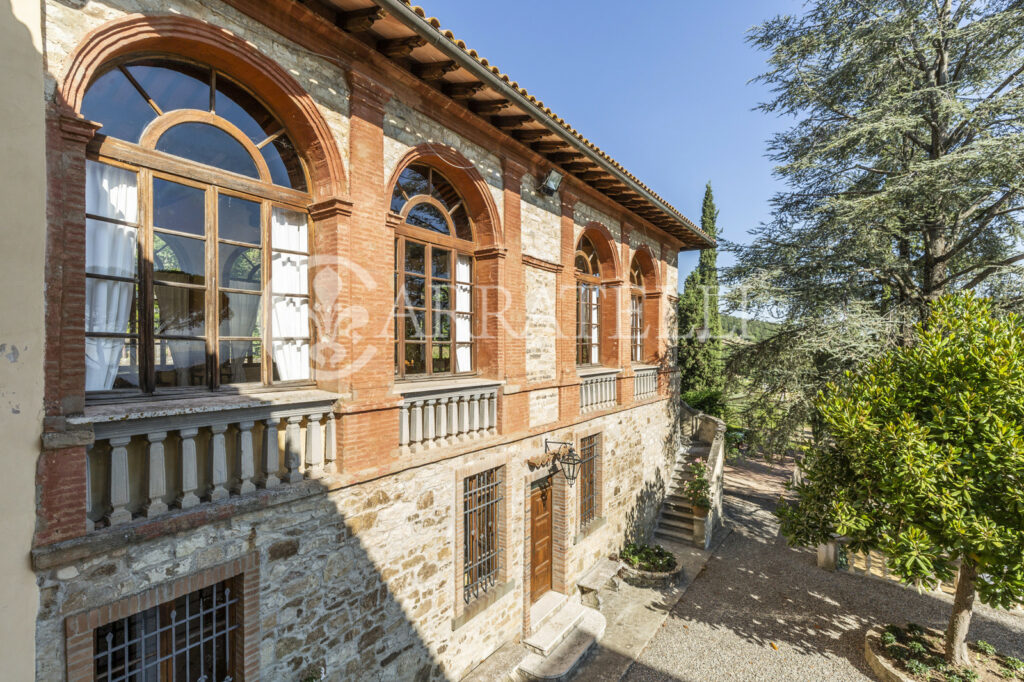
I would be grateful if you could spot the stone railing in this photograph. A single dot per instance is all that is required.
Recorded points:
(708, 430)
(645, 382)
(436, 415)
(150, 459)
(598, 390)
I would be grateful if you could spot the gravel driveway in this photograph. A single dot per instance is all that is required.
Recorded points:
(764, 611)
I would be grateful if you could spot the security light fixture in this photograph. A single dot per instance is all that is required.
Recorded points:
(566, 456)
(551, 183)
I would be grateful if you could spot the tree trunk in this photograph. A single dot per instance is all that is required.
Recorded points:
(960, 620)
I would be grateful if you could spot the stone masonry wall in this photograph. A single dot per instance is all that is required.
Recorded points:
(360, 583)
(541, 223)
(541, 324)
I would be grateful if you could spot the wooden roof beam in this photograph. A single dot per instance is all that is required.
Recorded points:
(547, 146)
(359, 20)
(434, 71)
(488, 107)
(510, 121)
(530, 135)
(462, 91)
(400, 47)
(562, 157)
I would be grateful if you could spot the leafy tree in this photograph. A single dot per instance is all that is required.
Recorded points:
(700, 327)
(924, 460)
(904, 182)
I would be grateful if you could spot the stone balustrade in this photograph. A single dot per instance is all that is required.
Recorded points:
(598, 391)
(436, 415)
(154, 458)
(645, 382)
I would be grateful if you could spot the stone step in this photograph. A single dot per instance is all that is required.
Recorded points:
(702, 450)
(673, 535)
(565, 658)
(678, 502)
(674, 525)
(679, 516)
(557, 628)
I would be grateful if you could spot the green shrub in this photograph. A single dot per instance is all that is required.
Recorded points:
(916, 667)
(917, 648)
(648, 557)
(1014, 663)
(969, 675)
(708, 400)
(888, 638)
(984, 647)
(698, 488)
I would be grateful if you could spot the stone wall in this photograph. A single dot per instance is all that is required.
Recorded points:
(541, 223)
(361, 582)
(543, 407)
(541, 324)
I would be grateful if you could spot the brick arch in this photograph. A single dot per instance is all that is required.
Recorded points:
(472, 187)
(607, 253)
(647, 261)
(187, 37)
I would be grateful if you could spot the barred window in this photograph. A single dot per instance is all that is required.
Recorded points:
(589, 447)
(482, 517)
(185, 639)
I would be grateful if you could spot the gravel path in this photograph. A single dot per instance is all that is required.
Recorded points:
(764, 611)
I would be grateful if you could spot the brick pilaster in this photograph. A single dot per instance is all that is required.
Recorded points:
(565, 346)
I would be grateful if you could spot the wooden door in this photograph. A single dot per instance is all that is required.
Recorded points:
(540, 539)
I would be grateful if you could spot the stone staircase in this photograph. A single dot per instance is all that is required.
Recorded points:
(676, 521)
(561, 643)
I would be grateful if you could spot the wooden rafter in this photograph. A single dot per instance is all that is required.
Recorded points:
(434, 71)
(510, 121)
(562, 157)
(400, 47)
(460, 91)
(530, 135)
(488, 107)
(359, 20)
(546, 147)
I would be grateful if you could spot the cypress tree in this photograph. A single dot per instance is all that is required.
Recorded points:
(700, 326)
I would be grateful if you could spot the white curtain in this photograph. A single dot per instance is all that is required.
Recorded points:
(110, 192)
(290, 274)
(244, 319)
(463, 314)
(595, 330)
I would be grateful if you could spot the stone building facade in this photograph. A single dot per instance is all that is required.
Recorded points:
(363, 504)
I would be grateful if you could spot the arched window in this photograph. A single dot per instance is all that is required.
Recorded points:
(636, 312)
(195, 208)
(588, 304)
(433, 276)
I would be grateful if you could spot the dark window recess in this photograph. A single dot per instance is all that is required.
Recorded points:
(481, 498)
(189, 638)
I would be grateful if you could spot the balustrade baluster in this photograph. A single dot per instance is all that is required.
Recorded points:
(428, 422)
(463, 417)
(492, 408)
(270, 454)
(157, 474)
(416, 424)
(453, 419)
(292, 450)
(244, 451)
(189, 469)
(403, 425)
(314, 447)
(119, 496)
(441, 421)
(330, 441)
(474, 414)
(218, 463)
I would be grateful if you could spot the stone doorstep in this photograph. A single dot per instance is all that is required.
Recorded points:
(598, 576)
(560, 663)
(544, 640)
(546, 607)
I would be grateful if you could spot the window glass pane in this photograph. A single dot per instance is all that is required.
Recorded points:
(289, 273)
(412, 182)
(240, 361)
(110, 306)
(291, 360)
(289, 230)
(178, 311)
(173, 85)
(180, 363)
(111, 363)
(111, 192)
(240, 267)
(179, 207)
(442, 358)
(234, 103)
(464, 269)
(110, 249)
(284, 164)
(442, 329)
(415, 324)
(463, 298)
(178, 259)
(440, 263)
(462, 226)
(238, 219)
(463, 358)
(463, 327)
(290, 316)
(414, 258)
(428, 217)
(206, 144)
(441, 296)
(113, 101)
(240, 314)
(415, 295)
(415, 358)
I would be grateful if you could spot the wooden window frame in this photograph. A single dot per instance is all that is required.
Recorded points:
(588, 314)
(149, 164)
(636, 313)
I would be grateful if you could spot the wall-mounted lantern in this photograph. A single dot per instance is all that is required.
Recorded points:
(566, 456)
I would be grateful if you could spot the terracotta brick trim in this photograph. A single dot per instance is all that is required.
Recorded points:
(607, 255)
(245, 576)
(647, 260)
(172, 34)
(542, 264)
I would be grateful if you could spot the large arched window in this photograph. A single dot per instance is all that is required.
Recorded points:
(433, 276)
(588, 304)
(636, 312)
(197, 236)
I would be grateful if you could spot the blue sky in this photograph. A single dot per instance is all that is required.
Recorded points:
(661, 85)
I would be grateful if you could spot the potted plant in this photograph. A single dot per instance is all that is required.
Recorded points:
(649, 565)
(698, 488)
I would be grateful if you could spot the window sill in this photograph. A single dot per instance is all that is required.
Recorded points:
(587, 372)
(589, 530)
(481, 604)
(198, 404)
(442, 385)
